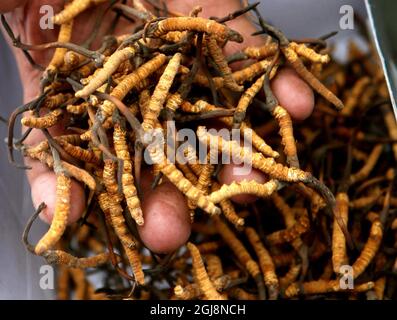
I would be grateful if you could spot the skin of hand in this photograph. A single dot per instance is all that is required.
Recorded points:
(167, 222)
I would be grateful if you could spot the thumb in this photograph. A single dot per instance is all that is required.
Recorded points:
(43, 181)
(43, 188)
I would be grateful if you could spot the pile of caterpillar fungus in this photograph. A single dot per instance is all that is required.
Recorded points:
(327, 199)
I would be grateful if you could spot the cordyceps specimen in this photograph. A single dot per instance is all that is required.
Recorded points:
(327, 199)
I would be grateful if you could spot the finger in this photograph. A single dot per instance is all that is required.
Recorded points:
(298, 99)
(42, 181)
(167, 222)
(232, 172)
(43, 188)
(246, 28)
(293, 93)
(7, 6)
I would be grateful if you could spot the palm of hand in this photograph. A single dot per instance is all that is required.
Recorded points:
(167, 223)
(25, 23)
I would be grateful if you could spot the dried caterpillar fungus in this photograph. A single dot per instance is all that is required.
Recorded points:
(108, 69)
(160, 93)
(129, 189)
(201, 276)
(327, 182)
(61, 214)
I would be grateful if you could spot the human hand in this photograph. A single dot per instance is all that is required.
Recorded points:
(167, 222)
